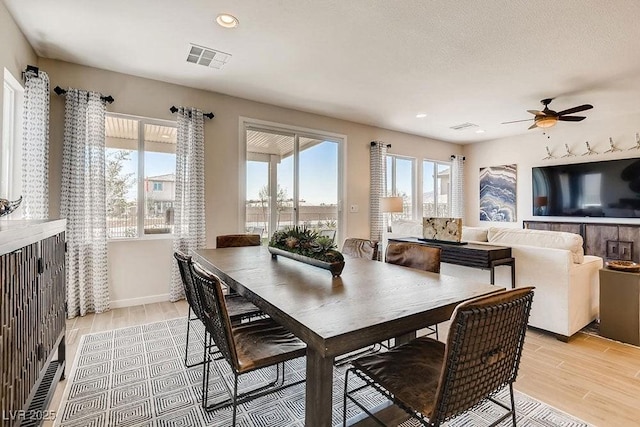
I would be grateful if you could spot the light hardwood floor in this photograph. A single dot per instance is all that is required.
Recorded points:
(592, 378)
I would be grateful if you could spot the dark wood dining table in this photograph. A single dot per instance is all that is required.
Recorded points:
(370, 302)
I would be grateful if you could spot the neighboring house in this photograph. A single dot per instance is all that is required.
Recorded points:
(160, 192)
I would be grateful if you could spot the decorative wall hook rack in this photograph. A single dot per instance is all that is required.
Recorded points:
(637, 146)
(612, 146)
(569, 153)
(589, 151)
(549, 155)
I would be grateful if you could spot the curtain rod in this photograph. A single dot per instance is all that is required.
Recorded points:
(174, 109)
(453, 156)
(31, 69)
(373, 143)
(59, 91)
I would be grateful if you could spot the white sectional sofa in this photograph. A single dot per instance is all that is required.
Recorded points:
(567, 281)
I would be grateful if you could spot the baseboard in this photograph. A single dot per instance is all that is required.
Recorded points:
(138, 301)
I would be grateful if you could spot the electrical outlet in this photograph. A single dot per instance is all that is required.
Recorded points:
(353, 209)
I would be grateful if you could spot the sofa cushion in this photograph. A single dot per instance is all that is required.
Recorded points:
(474, 234)
(540, 238)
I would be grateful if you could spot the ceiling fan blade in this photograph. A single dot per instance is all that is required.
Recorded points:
(537, 112)
(533, 126)
(516, 121)
(571, 118)
(576, 109)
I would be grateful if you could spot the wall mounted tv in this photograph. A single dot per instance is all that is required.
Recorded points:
(597, 189)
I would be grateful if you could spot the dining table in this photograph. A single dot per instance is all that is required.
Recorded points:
(369, 302)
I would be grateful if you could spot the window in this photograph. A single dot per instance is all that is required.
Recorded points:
(400, 182)
(293, 177)
(10, 146)
(436, 187)
(428, 197)
(137, 147)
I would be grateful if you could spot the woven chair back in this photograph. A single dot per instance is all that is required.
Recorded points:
(214, 313)
(413, 255)
(360, 248)
(185, 265)
(483, 351)
(237, 240)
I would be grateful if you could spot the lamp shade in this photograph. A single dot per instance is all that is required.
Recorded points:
(391, 204)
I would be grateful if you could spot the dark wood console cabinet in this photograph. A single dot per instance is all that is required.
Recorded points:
(32, 318)
(607, 240)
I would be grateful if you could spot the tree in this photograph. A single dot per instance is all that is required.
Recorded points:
(117, 182)
(281, 201)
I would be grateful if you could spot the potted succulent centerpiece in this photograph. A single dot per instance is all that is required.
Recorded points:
(305, 245)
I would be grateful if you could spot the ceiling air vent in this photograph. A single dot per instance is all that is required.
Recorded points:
(464, 126)
(208, 57)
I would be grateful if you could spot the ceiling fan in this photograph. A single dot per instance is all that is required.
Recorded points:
(547, 117)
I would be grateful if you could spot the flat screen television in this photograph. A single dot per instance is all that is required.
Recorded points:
(597, 189)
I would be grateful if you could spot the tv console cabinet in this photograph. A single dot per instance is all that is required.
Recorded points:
(32, 318)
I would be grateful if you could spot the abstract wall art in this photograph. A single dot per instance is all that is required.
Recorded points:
(498, 193)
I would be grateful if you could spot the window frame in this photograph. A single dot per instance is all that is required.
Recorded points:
(417, 182)
(416, 200)
(246, 123)
(435, 163)
(142, 121)
(10, 144)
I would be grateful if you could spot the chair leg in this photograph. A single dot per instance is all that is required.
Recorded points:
(235, 398)
(205, 377)
(513, 404)
(344, 399)
(186, 347)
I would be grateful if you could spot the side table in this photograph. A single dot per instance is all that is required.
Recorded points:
(620, 305)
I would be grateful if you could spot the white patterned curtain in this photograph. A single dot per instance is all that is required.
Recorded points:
(83, 202)
(378, 167)
(35, 146)
(189, 228)
(457, 187)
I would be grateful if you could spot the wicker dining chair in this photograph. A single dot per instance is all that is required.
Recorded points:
(239, 307)
(414, 255)
(435, 382)
(245, 347)
(360, 248)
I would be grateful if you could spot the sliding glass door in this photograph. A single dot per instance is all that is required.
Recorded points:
(292, 178)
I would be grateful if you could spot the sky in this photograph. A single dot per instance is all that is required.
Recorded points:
(318, 175)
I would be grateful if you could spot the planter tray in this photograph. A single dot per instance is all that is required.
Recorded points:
(335, 268)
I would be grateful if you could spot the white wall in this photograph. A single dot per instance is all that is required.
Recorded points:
(15, 51)
(528, 150)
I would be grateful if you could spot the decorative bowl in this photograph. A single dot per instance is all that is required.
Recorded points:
(6, 206)
(628, 266)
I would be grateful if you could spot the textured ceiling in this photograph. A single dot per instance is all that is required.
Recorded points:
(378, 62)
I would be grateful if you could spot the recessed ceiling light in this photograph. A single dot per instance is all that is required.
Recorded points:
(421, 115)
(227, 21)
(165, 136)
(480, 131)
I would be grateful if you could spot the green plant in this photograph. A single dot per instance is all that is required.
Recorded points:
(307, 242)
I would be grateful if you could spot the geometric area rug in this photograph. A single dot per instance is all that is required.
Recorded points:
(135, 376)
